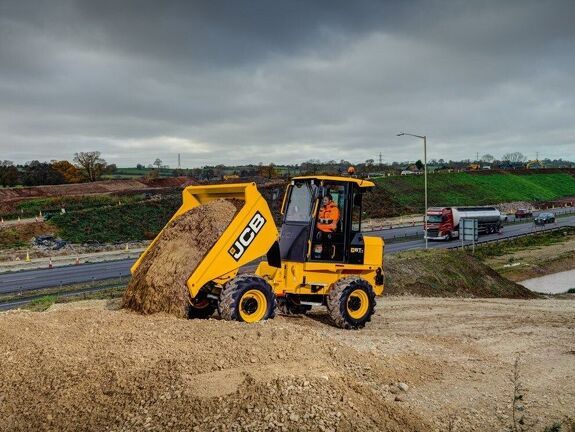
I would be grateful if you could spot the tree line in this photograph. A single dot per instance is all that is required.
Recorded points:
(86, 167)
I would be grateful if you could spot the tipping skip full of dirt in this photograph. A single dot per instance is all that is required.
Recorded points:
(159, 283)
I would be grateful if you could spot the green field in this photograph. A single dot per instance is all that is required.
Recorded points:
(119, 223)
(136, 173)
(404, 194)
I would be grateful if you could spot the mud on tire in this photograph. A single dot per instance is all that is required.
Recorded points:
(351, 303)
(247, 298)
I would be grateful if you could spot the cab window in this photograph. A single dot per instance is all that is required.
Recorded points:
(356, 212)
(299, 204)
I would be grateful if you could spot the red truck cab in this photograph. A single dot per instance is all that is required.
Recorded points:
(440, 224)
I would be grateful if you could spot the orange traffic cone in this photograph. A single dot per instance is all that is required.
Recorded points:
(77, 260)
(50, 263)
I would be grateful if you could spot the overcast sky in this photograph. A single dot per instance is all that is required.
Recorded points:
(285, 81)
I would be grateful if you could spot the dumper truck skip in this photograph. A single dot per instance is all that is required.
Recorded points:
(443, 222)
(305, 266)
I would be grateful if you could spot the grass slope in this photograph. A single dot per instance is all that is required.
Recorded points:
(447, 274)
(403, 194)
(132, 221)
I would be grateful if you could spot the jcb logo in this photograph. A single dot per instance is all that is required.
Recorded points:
(247, 236)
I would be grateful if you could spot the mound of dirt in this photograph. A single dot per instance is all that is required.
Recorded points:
(96, 369)
(159, 284)
(21, 234)
(447, 274)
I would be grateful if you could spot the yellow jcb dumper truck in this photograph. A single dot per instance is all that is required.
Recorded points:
(320, 257)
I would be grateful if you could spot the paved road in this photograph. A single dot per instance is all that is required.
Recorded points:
(66, 275)
(412, 231)
(508, 231)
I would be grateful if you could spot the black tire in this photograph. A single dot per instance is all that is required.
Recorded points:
(287, 307)
(247, 296)
(341, 310)
(201, 308)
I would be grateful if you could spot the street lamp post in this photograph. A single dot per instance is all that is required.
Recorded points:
(424, 138)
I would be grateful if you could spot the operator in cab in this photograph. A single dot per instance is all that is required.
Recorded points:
(328, 215)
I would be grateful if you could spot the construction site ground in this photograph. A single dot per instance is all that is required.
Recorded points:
(421, 364)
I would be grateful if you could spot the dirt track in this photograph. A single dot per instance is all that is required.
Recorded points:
(93, 368)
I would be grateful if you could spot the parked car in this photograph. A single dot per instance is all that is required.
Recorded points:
(523, 213)
(544, 218)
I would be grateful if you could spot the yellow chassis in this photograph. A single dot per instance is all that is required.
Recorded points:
(219, 264)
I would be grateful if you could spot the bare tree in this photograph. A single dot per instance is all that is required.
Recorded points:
(514, 157)
(487, 158)
(91, 164)
(158, 163)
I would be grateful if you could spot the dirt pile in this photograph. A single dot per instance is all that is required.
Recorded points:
(447, 274)
(159, 284)
(98, 369)
(21, 235)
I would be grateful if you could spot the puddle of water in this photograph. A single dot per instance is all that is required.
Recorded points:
(556, 283)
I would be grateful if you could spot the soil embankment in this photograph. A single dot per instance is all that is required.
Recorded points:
(159, 283)
(447, 274)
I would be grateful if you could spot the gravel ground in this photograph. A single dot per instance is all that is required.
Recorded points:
(421, 364)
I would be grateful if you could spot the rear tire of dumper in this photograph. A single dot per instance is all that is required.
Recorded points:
(351, 303)
(247, 298)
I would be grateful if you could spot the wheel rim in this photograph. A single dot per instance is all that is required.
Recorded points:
(357, 304)
(200, 304)
(253, 306)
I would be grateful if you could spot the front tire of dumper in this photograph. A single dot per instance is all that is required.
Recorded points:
(247, 298)
(351, 303)
(201, 307)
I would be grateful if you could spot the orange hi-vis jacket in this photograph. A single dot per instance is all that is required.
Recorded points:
(328, 217)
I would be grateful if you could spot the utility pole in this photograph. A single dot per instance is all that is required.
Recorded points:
(424, 138)
(380, 159)
(179, 165)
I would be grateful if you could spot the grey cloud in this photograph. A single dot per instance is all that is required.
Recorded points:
(238, 82)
